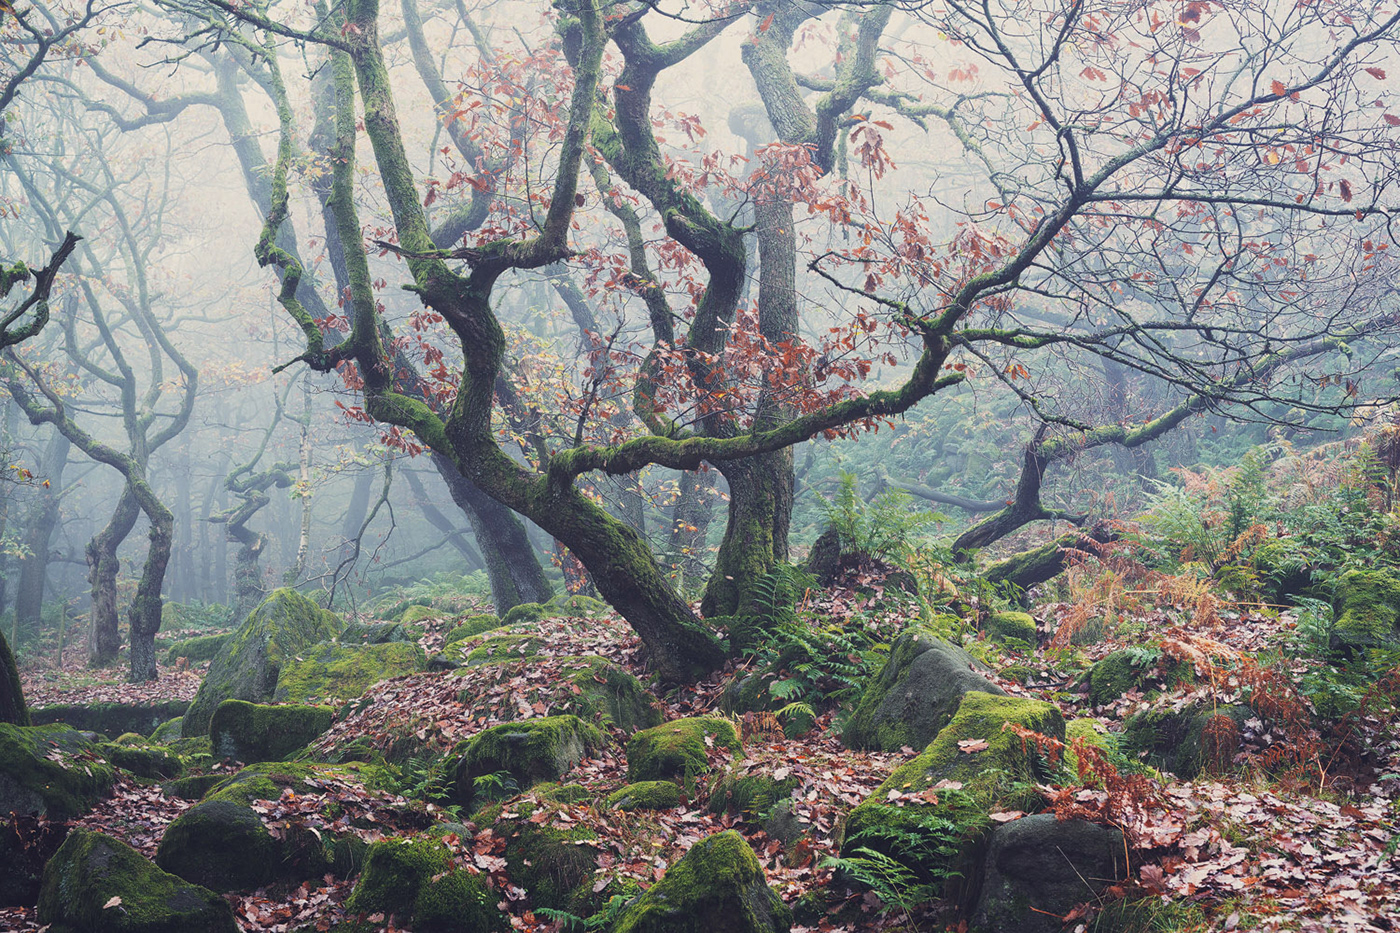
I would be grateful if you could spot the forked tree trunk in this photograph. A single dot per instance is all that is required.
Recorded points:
(103, 564)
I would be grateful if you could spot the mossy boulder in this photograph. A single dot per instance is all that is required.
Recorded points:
(223, 844)
(1091, 732)
(752, 693)
(148, 761)
(168, 731)
(415, 614)
(610, 695)
(552, 860)
(91, 871)
(973, 766)
(1114, 675)
(419, 882)
(646, 795)
(53, 771)
(284, 627)
(192, 786)
(344, 672)
(915, 694)
(526, 612)
(1039, 868)
(750, 794)
(109, 718)
(1366, 610)
(531, 752)
(1185, 742)
(12, 708)
(197, 649)
(678, 750)
(717, 887)
(265, 732)
(472, 625)
(1007, 625)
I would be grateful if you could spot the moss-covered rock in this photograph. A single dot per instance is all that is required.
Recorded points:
(265, 732)
(678, 750)
(646, 795)
(109, 718)
(531, 752)
(1003, 626)
(192, 786)
(168, 731)
(1366, 610)
(344, 672)
(1185, 742)
(472, 625)
(751, 693)
(1091, 732)
(611, 696)
(1115, 675)
(915, 694)
(717, 887)
(1039, 868)
(418, 882)
(526, 612)
(54, 771)
(981, 762)
(417, 613)
(149, 761)
(91, 871)
(285, 626)
(553, 861)
(752, 795)
(12, 708)
(197, 649)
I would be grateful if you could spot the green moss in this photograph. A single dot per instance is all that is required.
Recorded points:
(997, 775)
(646, 795)
(678, 749)
(220, 844)
(717, 886)
(555, 865)
(262, 732)
(1366, 606)
(90, 870)
(532, 751)
(285, 626)
(344, 672)
(472, 625)
(51, 770)
(200, 648)
(1003, 626)
(612, 696)
(417, 882)
(1175, 740)
(168, 731)
(526, 612)
(1092, 732)
(415, 614)
(1114, 676)
(193, 786)
(142, 760)
(752, 796)
(110, 718)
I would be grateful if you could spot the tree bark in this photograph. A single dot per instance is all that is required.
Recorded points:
(103, 564)
(43, 518)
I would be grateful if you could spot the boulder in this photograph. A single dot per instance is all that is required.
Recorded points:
(142, 760)
(52, 771)
(678, 750)
(418, 882)
(169, 731)
(1366, 611)
(553, 860)
(110, 718)
(197, 649)
(263, 732)
(1186, 742)
(344, 672)
(717, 887)
(646, 795)
(12, 708)
(419, 613)
(377, 633)
(576, 604)
(601, 692)
(750, 794)
(285, 626)
(525, 612)
(472, 625)
(915, 694)
(944, 794)
(1002, 626)
(1039, 868)
(26, 845)
(531, 752)
(95, 883)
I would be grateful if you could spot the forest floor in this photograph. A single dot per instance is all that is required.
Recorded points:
(1268, 845)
